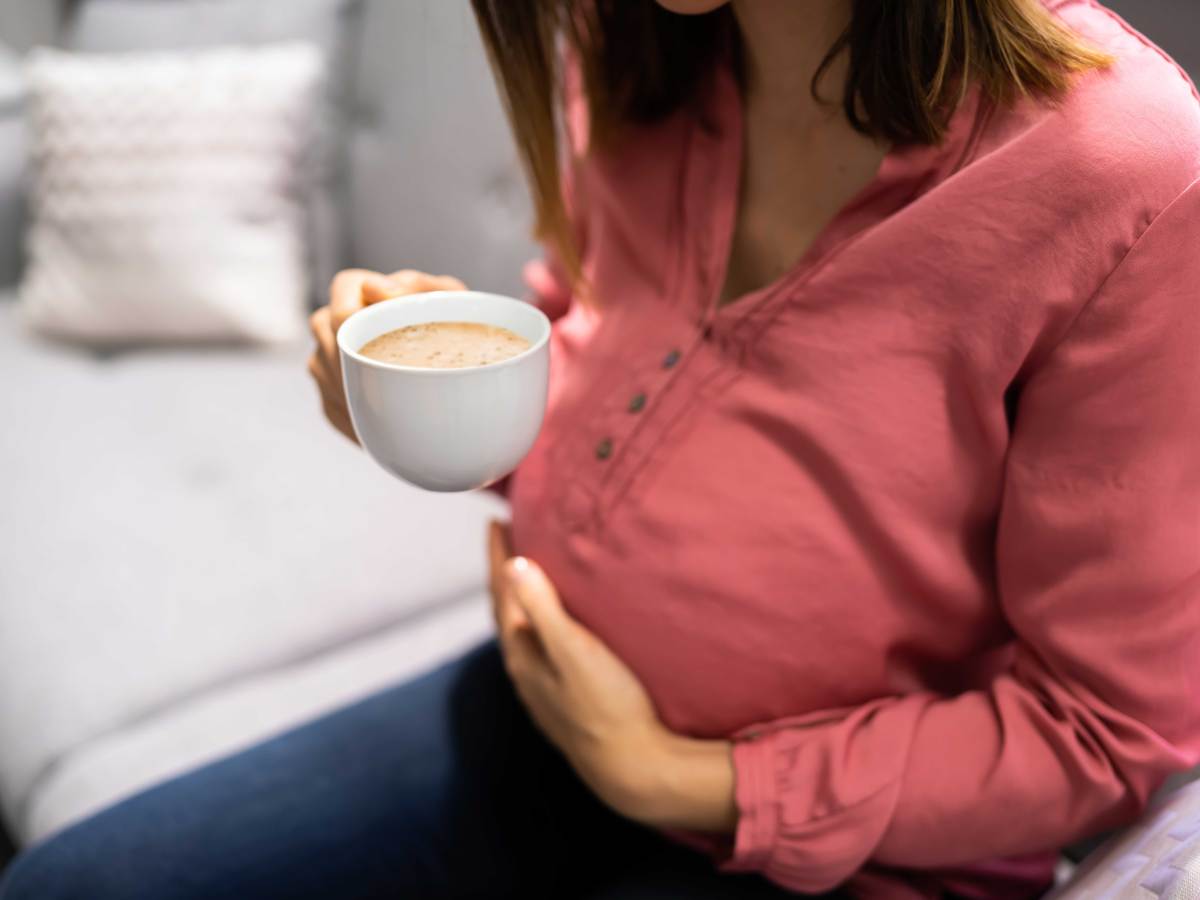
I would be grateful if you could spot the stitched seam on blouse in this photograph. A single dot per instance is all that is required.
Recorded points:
(682, 252)
(673, 303)
(620, 491)
(1087, 304)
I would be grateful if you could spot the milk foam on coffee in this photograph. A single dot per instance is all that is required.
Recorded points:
(445, 345)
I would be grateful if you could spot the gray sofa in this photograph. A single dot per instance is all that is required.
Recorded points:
(191, 560)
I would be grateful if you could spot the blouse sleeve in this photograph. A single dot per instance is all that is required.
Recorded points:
(1098, 562)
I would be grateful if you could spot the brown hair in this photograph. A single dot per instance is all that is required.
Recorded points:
(910, 64)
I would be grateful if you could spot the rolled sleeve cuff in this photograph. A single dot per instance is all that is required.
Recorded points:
(757, 804)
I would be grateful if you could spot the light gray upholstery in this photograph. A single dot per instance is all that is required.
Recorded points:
(27, 23)
(108, 26)
(12, 166)
(175, 523)
(192, 558)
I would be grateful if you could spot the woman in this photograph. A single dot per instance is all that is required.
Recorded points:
(861, 548)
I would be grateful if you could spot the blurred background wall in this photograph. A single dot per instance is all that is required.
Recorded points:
(1173, 24)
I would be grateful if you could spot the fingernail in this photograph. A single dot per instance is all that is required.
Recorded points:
(518, 566)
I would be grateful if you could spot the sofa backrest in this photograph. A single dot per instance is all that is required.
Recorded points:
(434, 181)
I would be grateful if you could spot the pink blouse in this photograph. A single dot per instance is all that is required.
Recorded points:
(917, 526)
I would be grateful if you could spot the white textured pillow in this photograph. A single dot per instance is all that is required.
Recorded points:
(168, 192)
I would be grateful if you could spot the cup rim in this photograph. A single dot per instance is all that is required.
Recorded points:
(460, 370)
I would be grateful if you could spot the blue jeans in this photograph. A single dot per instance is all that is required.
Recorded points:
(437, 788)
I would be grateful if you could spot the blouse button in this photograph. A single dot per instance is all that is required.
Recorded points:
(604, 449)
(638, 403)
(671, 359)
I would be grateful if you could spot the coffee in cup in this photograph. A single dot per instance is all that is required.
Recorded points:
(445, 345)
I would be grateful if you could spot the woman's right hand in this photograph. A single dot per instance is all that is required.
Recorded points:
(352, 289)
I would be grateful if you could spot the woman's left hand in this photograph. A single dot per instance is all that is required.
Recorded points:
(591, 706)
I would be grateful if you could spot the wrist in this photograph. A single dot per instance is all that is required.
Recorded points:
(685, 783)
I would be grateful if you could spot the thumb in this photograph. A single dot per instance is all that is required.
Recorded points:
(538, 598)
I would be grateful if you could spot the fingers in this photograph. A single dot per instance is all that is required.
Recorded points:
(499, 545)
(536, 684)
(410, 281)
(445, 283)
(525, 660)
(538, 599)
(346, 294)
(340, 419)
(332, 401)
(320, 324)
(506, 612)
(315, 369)
(325, 366)
(404, 282)
(523, 649)
(352, 289)
(376, 287)
(497, 554)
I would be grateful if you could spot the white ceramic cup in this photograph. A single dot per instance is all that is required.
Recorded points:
(447, 429)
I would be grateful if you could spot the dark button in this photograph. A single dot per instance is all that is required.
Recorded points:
(604, 449)
(671, 358)
(638, 403)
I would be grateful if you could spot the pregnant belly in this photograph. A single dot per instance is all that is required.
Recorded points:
(707, 630)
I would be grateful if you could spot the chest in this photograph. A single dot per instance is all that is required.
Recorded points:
(792, 185)
(844, 383)
(784, 472)
(788, 464)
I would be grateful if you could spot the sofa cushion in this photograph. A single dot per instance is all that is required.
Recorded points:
(175, 522)
(217, 722)
(102, 26)
(13, 157)
(165, 195)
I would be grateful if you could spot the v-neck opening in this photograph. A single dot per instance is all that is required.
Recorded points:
(827, 238)
(710, 253)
